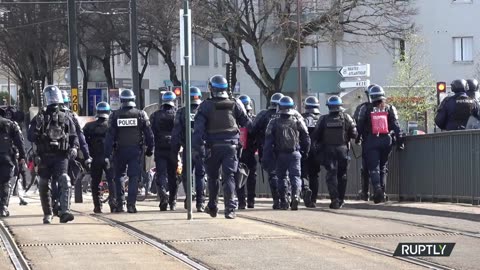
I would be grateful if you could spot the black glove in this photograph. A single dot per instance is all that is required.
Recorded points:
(107, 163)
(358, 140)
(149, 153)
(72, 153)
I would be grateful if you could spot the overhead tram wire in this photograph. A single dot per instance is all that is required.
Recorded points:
(62, 2)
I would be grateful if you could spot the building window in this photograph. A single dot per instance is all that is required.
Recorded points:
(315, 56)
(399, 49)
(201, 52)
(224, 55)
(463, 49)
(215, 56)
(153, 58)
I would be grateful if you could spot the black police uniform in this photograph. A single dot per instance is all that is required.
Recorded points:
(454, 112)
(54, 134)
(334, 132)
(95, 134)
(128, 129)
(378, 147)
(166, 164)
(364, 170)
(311, 165)
(217, 133)
(10, 137)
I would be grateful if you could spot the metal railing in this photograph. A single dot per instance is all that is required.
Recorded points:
(434, 167)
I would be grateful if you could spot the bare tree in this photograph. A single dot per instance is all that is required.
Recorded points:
(413, 90)
(254, 24)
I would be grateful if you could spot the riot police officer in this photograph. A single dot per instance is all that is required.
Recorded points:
(216, 137)
(287, 142)
(376, 121)
(259, 128)
(311, 165)
(334, 132)
(454, 111)
(248, 158)
(166, 164)
(128, 129)
(55, 137)
(473, 89)
(178, 139)
(10, 137)
(364, 194)
(95, 133)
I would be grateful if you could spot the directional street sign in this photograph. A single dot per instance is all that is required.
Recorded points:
(355, 71)
(354, 84)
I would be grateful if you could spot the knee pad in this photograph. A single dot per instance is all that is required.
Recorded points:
(43, 184)
(64, 180)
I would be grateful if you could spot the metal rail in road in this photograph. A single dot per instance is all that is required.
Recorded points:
(16, 256)
(412, 260)
(148, 239)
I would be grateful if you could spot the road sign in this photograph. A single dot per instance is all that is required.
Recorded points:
(182, 38)
(75, 106)
(355, 71)
(354, 84)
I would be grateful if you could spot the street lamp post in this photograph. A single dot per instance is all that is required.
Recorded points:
(186, 92)
(299, 56)
(134, 51)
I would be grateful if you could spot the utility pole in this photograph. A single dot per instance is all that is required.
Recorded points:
(186, 95)
(72, 46)
(134, 52)
(299, 56)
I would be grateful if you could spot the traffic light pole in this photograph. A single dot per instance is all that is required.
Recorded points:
(186, 91)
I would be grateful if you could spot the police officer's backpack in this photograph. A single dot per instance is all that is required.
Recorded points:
(287, 136)
(55, 136)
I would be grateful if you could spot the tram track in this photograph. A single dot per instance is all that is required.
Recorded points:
(14, 253)
(149, 240)
(347, 242)
(408, 223)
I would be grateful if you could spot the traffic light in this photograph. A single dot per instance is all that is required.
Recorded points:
(177, 90)
(441, 87)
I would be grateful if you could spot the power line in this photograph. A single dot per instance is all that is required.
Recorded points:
(63, 2)
(33, 24)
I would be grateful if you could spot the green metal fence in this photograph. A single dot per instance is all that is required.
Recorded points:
(434, 167)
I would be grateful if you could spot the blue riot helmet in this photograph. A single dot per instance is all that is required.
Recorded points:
(53, 95)
(218, 86)
(195, 95)
(367, 91)
(127, 98)
(286, 105)
(376, 93)
(103, 110)
(246, 101)
(168, 98)
(312, 105)
(274, 100)
(334, 104)
(459, 86)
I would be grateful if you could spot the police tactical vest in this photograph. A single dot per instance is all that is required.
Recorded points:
(311, 120)
(463, 109)
(129, 125)
(334, 132)
(6, 144)
(164, 121)
(55, 135)
(221, 118)
(287, 136)
(98, 138)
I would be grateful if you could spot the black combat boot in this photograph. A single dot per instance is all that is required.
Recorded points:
(66, 217)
